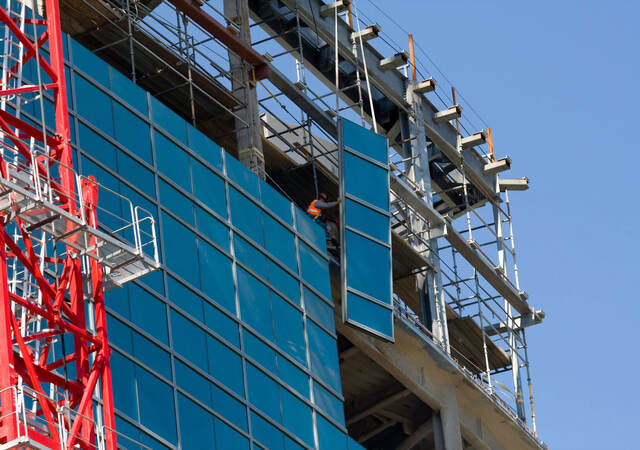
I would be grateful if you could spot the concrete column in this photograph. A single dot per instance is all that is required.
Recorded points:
(249, 129)
(451, 422)
(438, 437)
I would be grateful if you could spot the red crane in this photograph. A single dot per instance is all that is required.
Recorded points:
(55, 259)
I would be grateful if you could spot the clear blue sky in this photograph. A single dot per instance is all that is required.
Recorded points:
(558, 82)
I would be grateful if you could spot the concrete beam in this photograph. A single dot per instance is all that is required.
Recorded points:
(329, 10)
(519, 184)
(378, 406)
(424, 86)
(497, 166)
(366, 34)
(454, 112)
(422, 432)
(478, 138)
(393, 62)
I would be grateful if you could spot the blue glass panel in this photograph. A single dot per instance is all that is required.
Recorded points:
(366, 181)
(92, 65)
(225, 365)
(265, 433)
(285, 283)
(250, 256)
(290, 444)
(364, 258)
(95, 145)
(202, 145)
(263, 392)
(151, 355)
(168, 120)
(136, 174)
(120, 334)
(246, 215)
(275, 201)
(213, 228)
(353, 445)
(149, 313)
(217, 276)
(132, 132)
(310, 230)
(315, 270)
(289, 329)
(155, 399)
(176, 202)
(296, 417)
(194, 383)
(117, 299)
(293, 376)
(280, 242)
(185, 298)
(229, 407)
(365, 141)
(180, 250)
(318, 309)
(172, 161)
(246, 179)
(323, 352)
(370, 314)
(228, 438)
(255, 307)
(93, 105)
(124, 391)
(328, 403)
(189, 340)
(196, 425)
(329, 437)
(129, 91)
(209, 188)
(367, 220)
(154, 280)
(219, 322)
(259, 351)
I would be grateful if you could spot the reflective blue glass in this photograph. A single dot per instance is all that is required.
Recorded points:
(293, 376)
(280, 242)
(172, 161)
(259, 351)
(217, 276)
(246, 179)
(285, 283)
(209, 188)
(328, 403)
(289, 329)
(370, 314)
(219, 322)
(229, 407)
(310, 230)
(366, 181)
(274, 201)
(132, 132)
(176, 202)
(225, 365)
(193, 383)
(155, 399)
(255, 307)
(202, 145)
(296, 417)
(189, 340)
(181, 254)
(120, 334)
(150, 354)
(353, 445)
(246, 215)
(250, 256)
(149, 313)
(318, 309)
(263, 392)
(367, 220)
(365, 141)
(93, 105)
(168, 120)
(212, 228)
(266, 434)
(95, 145)
(93, 66)
(124, 392)
(129, 91)
(185, 298)
(228, 438)
(364, 258)
(329, 437)
(136, 174)
(315, 270)
(196, 425)
(324, 356)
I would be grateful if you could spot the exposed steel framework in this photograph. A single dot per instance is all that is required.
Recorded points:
(55, 377)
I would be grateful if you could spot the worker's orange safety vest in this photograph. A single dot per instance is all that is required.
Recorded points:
(313, 211)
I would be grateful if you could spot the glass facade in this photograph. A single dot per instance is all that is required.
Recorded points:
(232, 343)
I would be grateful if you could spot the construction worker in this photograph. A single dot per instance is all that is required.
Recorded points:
(315, 210)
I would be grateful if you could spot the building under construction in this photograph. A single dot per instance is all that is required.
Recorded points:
(162, 284)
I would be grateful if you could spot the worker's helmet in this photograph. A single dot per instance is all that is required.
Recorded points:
(323, 196)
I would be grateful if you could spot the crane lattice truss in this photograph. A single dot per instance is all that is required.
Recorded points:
(55, 259)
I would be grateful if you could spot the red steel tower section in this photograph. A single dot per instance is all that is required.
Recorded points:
(55, 259)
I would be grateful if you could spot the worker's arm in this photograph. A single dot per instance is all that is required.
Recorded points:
(326, 205)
